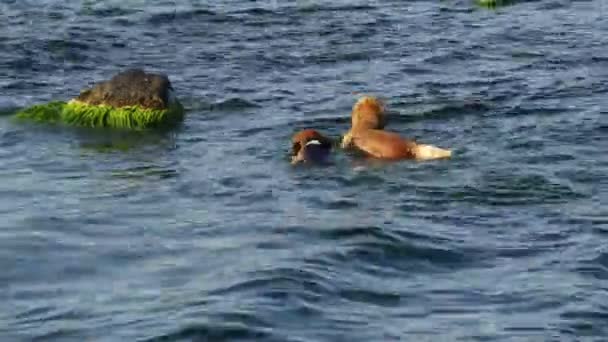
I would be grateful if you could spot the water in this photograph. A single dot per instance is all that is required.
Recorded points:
(207, 233)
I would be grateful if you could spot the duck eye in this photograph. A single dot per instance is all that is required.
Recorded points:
(295, 148)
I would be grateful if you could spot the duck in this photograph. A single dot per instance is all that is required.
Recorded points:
(311, 147)
(367, 135)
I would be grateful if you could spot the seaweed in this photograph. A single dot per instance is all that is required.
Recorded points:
(494, 3)
(81, 114)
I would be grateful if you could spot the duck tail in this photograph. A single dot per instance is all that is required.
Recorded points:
(427, 152)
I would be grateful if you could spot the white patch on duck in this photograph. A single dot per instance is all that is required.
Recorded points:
(428, 152)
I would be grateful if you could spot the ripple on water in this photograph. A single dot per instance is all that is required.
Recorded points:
(103, 10)
(389, 250)
(588, 322)
(208, 234)
(403, 255)
(499, 189)
(202, 15)
(229, 327)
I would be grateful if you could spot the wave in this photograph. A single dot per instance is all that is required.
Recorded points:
(7, 110)
(335, 8)
(450, 110)
(390, 249)
(226, 329)
(107, 12)
(515, 190)
(231, 104)
(203, 15)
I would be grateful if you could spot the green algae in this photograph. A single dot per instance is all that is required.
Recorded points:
(81, 114)
(493, 3)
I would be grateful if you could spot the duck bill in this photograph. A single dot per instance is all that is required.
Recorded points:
(297, 159)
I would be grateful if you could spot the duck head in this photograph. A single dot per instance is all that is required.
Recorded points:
(368, 113)
(310, 146)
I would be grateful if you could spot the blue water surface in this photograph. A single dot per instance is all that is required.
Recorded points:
(205, 233)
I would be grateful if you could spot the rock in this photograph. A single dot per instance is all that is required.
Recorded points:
(132, 99)
(133, 87)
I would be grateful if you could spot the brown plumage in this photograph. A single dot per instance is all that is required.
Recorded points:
(368, 113)
(367, 135)
(390, 146)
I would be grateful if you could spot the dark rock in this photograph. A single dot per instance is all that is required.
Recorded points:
(133, 87)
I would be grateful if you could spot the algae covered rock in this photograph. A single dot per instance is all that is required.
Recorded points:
(493, 3)
(131, 99)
